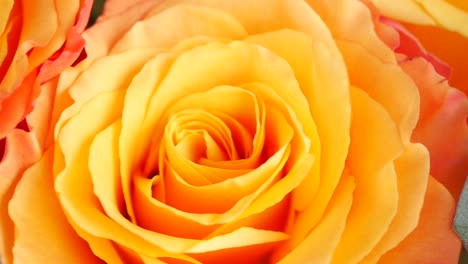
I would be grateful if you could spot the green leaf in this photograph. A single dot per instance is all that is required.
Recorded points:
(96, 11)
(461, 217)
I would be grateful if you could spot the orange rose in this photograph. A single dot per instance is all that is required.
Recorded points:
(234, 132)
(38, 40)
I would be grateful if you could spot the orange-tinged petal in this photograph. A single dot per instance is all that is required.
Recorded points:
(263, 67)
(40, 226)
(442, 108)
(74, 185)
(427, 12)
(448, 46)
(410, 46)
(66, 13)
(412, 169)
(7, 5)
(434, 240)
(14, 108)
(402, 103)
(104, 168)
(459, 4)
(21, 151)
(29, 38)
(364, 52)
(254, 201)
(375, 143)
(71, 49)
(315, 65)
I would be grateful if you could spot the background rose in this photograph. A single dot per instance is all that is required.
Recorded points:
(38, 39)
(334, 155)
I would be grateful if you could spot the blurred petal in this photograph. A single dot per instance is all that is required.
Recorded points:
(114, 8)
(427, 12)
(443, 108)
(449, 47)
(410, 46)
(434, 240)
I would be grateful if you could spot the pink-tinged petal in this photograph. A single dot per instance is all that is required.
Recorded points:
(412, 48)
(449, 47)
(434, 241)
(443, 124)
(72, 47)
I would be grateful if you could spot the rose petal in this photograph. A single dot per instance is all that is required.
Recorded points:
(434, 240)
(449, 47)
(412, 169)
(72, 47)
(412, 48)
(324, 238)
(430, 12)
(326, 65)
(375, 143)
(21, 151)
(99, 40)
(40, 226)
(18, 104)
(442, 108)
(113, 8)
(185, 20)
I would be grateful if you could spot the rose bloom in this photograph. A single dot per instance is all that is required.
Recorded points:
(38, 40)
(271, 131)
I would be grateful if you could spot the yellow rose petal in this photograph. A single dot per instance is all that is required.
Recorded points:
(100, 40)
(412, 169)
(402, 103)
(317, 67)
(270, 171)
(352, 21)
(7, 6)
(75, 191)
(175, 24)
(319, 244)
(375, 143)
